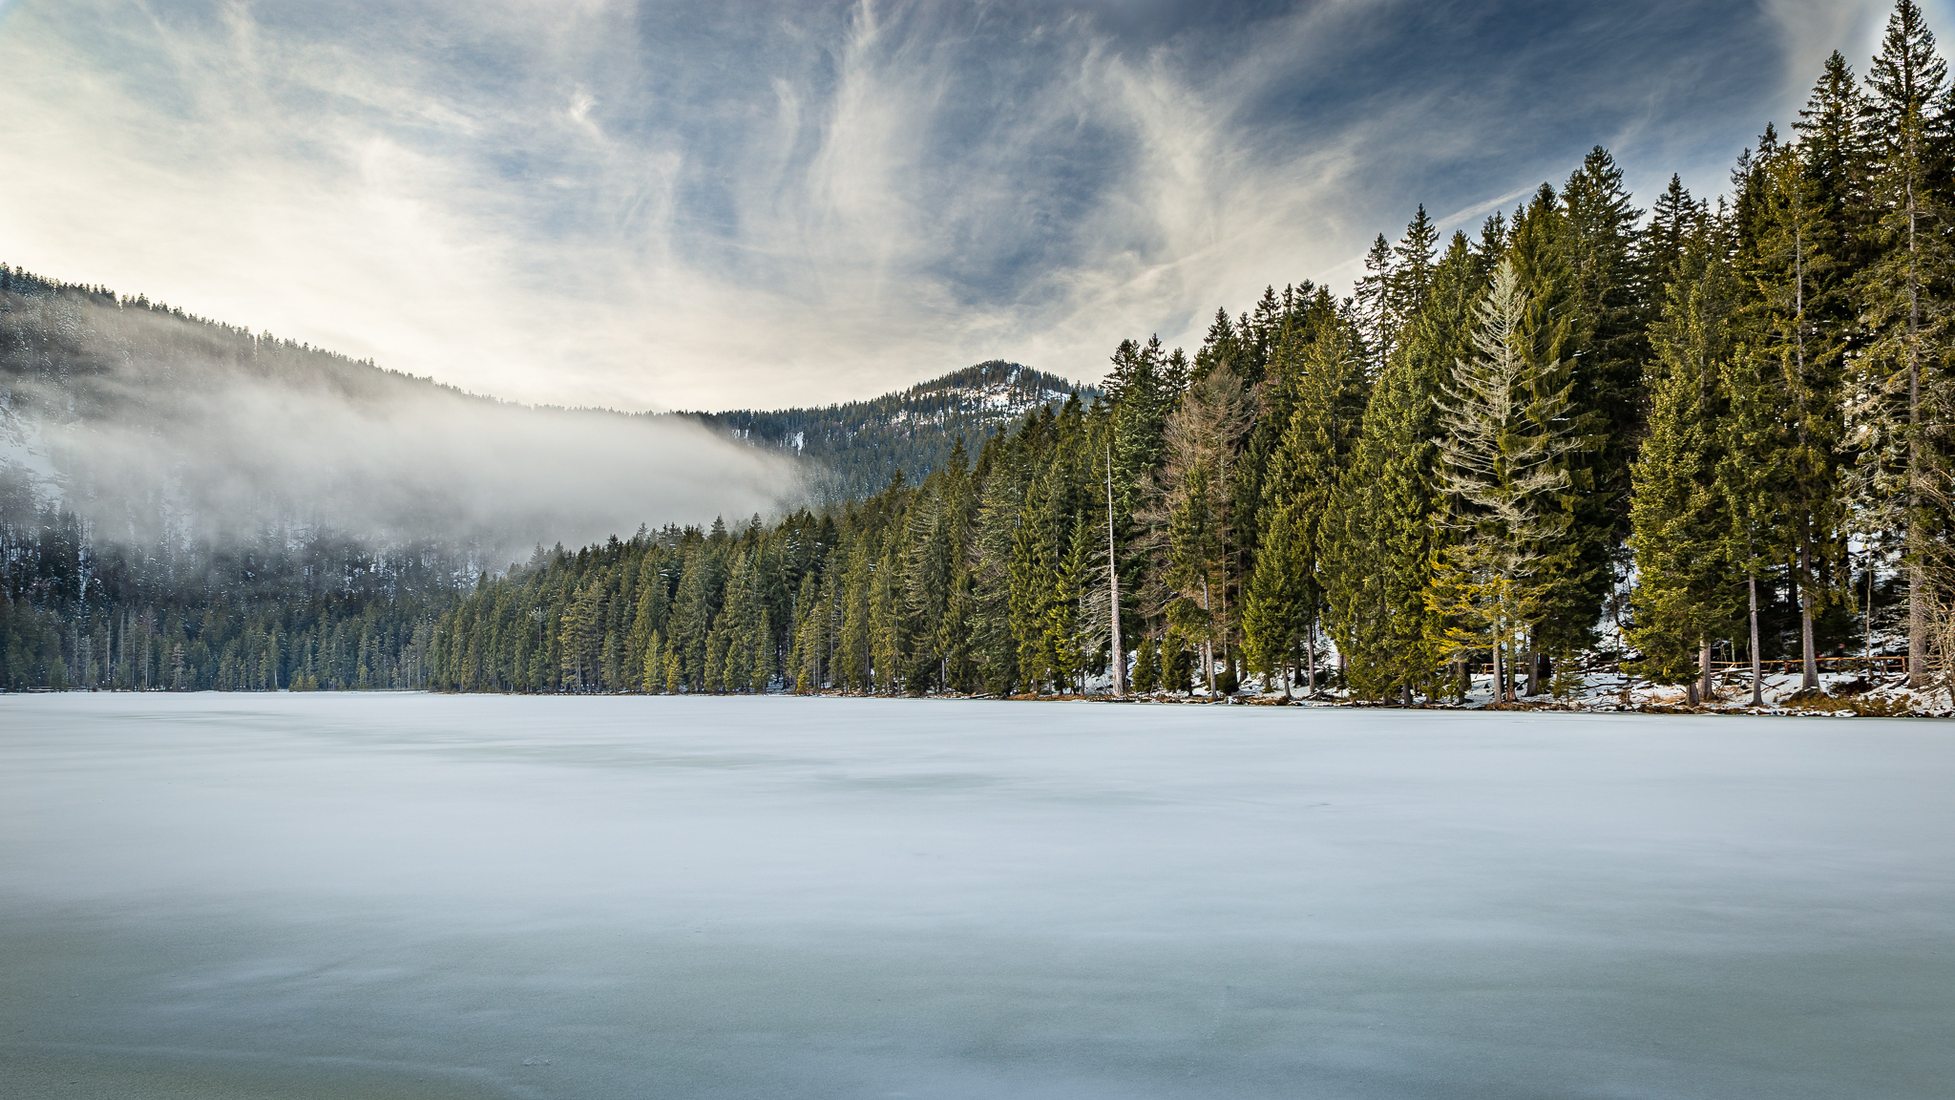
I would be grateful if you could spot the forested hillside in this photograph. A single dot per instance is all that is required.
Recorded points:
(188, 504)
(1585, 434)
(855, 447)
(144, 592)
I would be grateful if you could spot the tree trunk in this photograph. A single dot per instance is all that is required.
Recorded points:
(1808, 654)
(1208, 641)
(1917, 570)
(1869, 623)
(1113, 586)
(1707, 689)
(1310, 659)
(1757, 675)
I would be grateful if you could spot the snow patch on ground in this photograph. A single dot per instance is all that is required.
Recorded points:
(1841, 695)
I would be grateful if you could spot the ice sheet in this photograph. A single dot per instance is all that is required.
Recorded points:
(388, 895)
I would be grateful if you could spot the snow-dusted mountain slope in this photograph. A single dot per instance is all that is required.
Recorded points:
(854, 448)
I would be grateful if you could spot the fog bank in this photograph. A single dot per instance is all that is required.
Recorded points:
(161, 427)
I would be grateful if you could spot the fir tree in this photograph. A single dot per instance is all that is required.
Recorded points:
(1794, 285)
(1677, 519)
(1903, 293)
(1285, 596)
(1505, 460)
(1381, 539)
(1192, 518)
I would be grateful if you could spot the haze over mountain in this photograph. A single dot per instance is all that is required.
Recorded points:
(241, 510)
(155, 424)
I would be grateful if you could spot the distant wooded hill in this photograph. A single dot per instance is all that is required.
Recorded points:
(189, 504)
(855, 448)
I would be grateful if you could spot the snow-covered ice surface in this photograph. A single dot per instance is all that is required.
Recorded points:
(373, 895)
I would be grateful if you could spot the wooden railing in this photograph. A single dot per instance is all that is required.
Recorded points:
(1876, 663)
(1879, 662)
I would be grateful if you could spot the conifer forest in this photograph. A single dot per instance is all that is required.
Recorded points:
(1676, 434)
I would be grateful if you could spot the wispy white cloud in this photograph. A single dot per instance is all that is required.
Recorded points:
(597, 201)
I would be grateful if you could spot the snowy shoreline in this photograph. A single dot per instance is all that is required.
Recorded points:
(1840, 696)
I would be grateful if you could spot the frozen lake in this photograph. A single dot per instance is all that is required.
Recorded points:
(415, 896)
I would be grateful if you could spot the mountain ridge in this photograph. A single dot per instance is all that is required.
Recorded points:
(59, 358)
(858, 446)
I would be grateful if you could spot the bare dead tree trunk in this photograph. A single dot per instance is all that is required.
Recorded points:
(1757, 674)
(1707, 690)
(1499, 694)
(1808, 651)
(1310, 656)
(1869, 623)
(1113, 586)
(1208, 641)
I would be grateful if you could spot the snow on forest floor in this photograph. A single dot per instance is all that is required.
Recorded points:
(359, 895)
(1841, 695)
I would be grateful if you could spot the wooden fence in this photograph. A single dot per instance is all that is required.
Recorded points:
(1790, 665)
(1875, 663)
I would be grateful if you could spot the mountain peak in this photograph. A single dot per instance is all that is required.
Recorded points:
(857, 446)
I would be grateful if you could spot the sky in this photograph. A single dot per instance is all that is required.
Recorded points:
(761, 203)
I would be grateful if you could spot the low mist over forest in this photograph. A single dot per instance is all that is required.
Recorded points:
(187, 504)
(159, 426)
(255, 512)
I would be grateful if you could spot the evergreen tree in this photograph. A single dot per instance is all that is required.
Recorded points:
(1192, 519)
(1382, 539)
(1376, 301)
(1678, 523)
(1285, 596)
(1505, 458)
(1795, 454)
(1557, 335)
(1903, 293)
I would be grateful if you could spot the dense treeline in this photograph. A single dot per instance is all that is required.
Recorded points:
(123, 584)
(131, 599)
(300, 610)
(852, 448)
(1584, 434)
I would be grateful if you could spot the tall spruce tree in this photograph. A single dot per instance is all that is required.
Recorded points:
(1554, 333)
(1678, 522)
(1284, 600)
(1794, 283)
(1903, 295)
(1192, 519)
(1382, 537)
(1509, 441)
